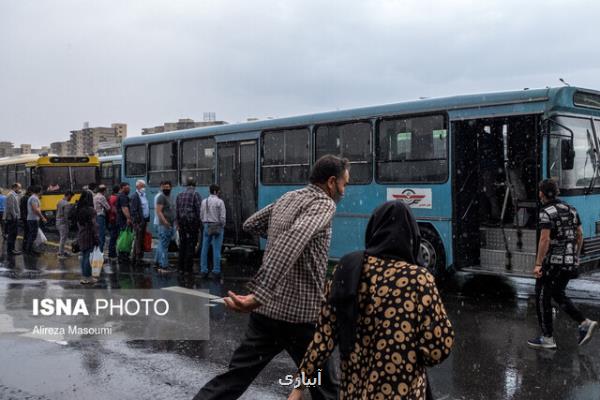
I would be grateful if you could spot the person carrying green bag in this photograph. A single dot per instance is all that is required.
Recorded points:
(125, 240)
(124, 222)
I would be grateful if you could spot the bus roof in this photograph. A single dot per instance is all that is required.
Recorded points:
(50, 159)
(555, 97)
(111, 158)
(20, 159)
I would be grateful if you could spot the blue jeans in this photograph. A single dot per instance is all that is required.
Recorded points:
(216, 241)
(165, 235)
(101, 221)
(86, 267)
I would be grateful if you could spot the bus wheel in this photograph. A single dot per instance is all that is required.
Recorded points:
(432, 252)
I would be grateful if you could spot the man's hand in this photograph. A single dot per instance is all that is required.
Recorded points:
(537, 271)
(295, 395)
(243, 304)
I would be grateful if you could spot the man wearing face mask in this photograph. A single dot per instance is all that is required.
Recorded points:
(287, 291)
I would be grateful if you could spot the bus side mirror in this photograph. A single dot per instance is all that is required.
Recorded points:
(567, 154)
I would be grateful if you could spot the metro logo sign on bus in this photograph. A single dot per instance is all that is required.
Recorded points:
(414, 198)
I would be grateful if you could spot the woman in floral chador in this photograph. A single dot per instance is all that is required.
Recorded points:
(385, 312)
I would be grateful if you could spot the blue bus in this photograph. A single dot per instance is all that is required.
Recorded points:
(467, 165)
(110, 170)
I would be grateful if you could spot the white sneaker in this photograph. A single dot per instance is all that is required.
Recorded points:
(542, 342)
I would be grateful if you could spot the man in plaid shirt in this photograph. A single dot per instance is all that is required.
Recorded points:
(287, 291)
(187, 206)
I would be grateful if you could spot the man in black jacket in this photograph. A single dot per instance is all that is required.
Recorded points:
(140, 215)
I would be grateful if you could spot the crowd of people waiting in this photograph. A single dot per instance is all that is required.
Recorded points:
(86, 223)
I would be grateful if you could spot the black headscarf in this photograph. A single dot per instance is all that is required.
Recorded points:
(84, 209)
(392, 232)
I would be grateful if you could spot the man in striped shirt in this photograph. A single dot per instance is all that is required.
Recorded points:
(287, 291)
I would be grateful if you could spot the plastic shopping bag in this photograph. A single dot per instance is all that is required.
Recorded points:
(40, 238)
(147, 242)
(96, 260)
(125, 241)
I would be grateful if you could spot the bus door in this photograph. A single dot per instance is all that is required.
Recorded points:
(496, 169)
(237, 178)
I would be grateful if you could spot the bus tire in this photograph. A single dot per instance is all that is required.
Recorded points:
(432, 252)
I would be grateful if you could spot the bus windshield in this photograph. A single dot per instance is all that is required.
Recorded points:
(83, 176)
(58, 179)
(54, 179)
(582, 173)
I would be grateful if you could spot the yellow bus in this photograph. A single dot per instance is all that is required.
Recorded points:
(55, 174)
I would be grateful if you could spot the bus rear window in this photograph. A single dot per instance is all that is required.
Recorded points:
(135, 160)
(197, 160)
(412, 150)
(285, 156)
(352, 141)
(163, 163)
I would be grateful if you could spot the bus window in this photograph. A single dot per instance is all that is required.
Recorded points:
(163, 163)
(116, 173)
(83, 176)
(53, 179)
(580, 176)
(21, 177)
(353, 141)
(135, 160)
(197, 160)
(411, 150)
(285, 156)
(4, 184)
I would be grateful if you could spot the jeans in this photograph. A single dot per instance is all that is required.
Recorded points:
(86, 267)
(63, 231)
(113, 231)
(187, 243)
(265, 338)
(216, 241)
(12, 227)
(32, 231)
(101, 221)
(165, 235)
(548, 287)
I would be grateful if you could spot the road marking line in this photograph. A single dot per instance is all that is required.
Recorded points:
(192, 292)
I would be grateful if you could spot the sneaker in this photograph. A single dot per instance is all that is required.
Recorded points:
(214, 275)
(203, 275)
(542, 342)
(61, 256)
(86, 281)
(586, 330)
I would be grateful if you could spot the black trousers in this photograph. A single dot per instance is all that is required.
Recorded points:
(31, 232)
(11, 228)
(188, 239)
(552, 286)
(265, 338)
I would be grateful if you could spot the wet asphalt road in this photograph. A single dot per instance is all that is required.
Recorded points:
(492, 318)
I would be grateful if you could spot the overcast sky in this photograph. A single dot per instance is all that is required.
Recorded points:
(63, 62)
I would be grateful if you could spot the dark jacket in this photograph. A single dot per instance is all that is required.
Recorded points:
(135, 208)
(87, 234)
